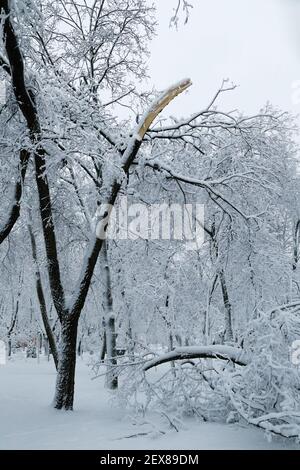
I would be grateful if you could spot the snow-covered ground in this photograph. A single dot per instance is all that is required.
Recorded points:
(27, 420)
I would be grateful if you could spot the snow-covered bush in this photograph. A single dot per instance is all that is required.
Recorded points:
(264, 391)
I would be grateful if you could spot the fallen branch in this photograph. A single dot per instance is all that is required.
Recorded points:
(227, 353)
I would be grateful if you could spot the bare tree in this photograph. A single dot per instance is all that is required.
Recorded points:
(68, 314)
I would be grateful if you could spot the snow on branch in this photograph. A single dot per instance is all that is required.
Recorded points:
(208, 186)
(160, 103)
(208, 111)
(216, 351)
(186, 7)
(4, 64)
(14, 211)
(279, 423)
(155, 109)
(103, 215)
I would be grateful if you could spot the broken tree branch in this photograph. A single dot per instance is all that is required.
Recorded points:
(226, 353)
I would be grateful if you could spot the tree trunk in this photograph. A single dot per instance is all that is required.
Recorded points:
(178, 340)
(41, 298)
(14, 316)
(112, 378)
(103, 346)
(129, 338)
(9, 347)
(110, 325)
(39, 342)
(47, 349)
(227, 305)
(64, 392)
(296, 242)
(79, 349)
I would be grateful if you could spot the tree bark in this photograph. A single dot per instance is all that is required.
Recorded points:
(112, 378)
(42, 301)
(227, 306)
(129, 338)
(296, 242)
(64, 391)
(9, 348)
(14, 316)
(221, 275)
(110, 326)
(103, 345)
(14, 212)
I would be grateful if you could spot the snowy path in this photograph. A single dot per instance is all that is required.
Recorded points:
(28, 422)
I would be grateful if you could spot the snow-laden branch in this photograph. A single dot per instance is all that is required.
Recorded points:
(160, 103)
(16, 63)
(284, 307)
(208, 111)
(152, 112)
(133, 146)
(216, 351)
(4, 64)
(14, 211)
(283, 423)
(208, 186)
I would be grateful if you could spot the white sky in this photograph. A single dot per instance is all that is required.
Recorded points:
(255, 43)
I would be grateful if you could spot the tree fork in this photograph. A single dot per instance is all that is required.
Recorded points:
(69, 317)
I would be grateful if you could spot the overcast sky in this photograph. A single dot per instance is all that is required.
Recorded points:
(255, 43)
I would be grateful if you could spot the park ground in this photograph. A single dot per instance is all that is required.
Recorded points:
(27, 420)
